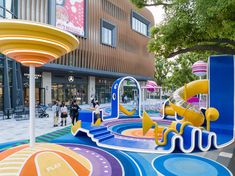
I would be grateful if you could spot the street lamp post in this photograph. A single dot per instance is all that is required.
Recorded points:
(32, 105)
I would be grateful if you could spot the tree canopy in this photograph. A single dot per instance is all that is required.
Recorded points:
(172, 74)
(192, 26)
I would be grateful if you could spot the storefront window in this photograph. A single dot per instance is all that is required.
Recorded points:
(68, 92)
(66, 89)
(1, 84)
(38, 90)
(103, 89)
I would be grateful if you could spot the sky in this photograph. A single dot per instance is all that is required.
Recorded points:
(158, 13)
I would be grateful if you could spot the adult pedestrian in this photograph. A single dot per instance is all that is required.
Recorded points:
(74, 111)
(55, 109)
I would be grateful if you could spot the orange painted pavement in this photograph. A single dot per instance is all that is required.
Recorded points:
(11, 151)
(138, 132)
(30, 167)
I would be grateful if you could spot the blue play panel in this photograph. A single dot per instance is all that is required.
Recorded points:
(188, 165)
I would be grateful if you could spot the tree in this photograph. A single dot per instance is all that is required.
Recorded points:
(172, 74)
(193, 26)
(182, 70)
(163, 68)
(144, 3)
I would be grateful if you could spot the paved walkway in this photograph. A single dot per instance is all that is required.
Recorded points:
(12, 130)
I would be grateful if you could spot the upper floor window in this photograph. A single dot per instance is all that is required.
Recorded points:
(8, 9)
(140, 24)
(108, 33)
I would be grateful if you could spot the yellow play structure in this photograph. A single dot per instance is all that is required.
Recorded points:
(191, 114)
(126, 112)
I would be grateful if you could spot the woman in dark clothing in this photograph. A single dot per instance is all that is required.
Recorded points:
(74, 112)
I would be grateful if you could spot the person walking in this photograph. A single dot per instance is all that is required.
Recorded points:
(74, 111)
(93, 101)
(55, 109)
(64, 114)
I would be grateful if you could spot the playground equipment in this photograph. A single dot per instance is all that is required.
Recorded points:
(178, 101)
(125, 111)
(193, 129)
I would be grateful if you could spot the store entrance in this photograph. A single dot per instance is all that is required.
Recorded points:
(68, 92)
(39, 96)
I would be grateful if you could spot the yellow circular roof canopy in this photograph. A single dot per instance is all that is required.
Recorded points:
(33, 43)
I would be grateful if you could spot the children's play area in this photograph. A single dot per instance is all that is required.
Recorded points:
(127, 141)
(130, 142)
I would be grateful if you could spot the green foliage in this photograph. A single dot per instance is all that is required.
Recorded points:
(197, 28)
(175, 73)
(193, 25)
(163, 67)
(138, 3)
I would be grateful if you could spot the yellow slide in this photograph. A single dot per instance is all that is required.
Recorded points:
(168, 110)
(178, 101)
(125, 111)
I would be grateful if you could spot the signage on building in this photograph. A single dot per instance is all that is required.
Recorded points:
(71, 78)
(37, 76)
(70, 16)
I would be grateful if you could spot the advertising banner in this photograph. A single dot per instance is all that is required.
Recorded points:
(70, 16)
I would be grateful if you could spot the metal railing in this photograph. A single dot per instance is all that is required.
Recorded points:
(8, 11)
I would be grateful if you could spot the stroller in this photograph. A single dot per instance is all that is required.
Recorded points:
(42, 111)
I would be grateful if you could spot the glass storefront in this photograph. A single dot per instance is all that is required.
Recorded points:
(103, 88)
(8, 9)
(68, 92)
(1, 84)
(9, 95)
(38, 90)
(65, 89)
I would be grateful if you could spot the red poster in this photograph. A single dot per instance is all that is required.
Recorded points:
(70, 16)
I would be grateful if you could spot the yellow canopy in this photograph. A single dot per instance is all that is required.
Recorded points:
(34, 43)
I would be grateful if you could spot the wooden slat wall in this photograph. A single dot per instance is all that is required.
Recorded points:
(130, 55)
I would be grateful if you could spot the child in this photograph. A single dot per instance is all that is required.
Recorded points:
(55, 109)
(64, 114)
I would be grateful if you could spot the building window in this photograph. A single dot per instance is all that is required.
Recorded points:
(8, 9)
(108, 33)
(140, 24)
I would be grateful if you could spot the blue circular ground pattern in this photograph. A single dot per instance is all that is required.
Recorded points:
(188, 165)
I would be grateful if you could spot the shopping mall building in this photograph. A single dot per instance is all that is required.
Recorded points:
(113, 36)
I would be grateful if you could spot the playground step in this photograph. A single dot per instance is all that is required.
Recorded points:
(104, 137)
(96, 129)
(101, 133)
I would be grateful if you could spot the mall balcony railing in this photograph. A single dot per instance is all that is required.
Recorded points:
(4, 10)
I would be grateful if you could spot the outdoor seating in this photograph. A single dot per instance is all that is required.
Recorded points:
(21, 113)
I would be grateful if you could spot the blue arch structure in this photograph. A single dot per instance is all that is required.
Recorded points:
(116, 94)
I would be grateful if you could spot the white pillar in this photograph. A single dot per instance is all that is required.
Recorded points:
(161, 94)
(47, 84)
(91, 88)
(31, 106)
